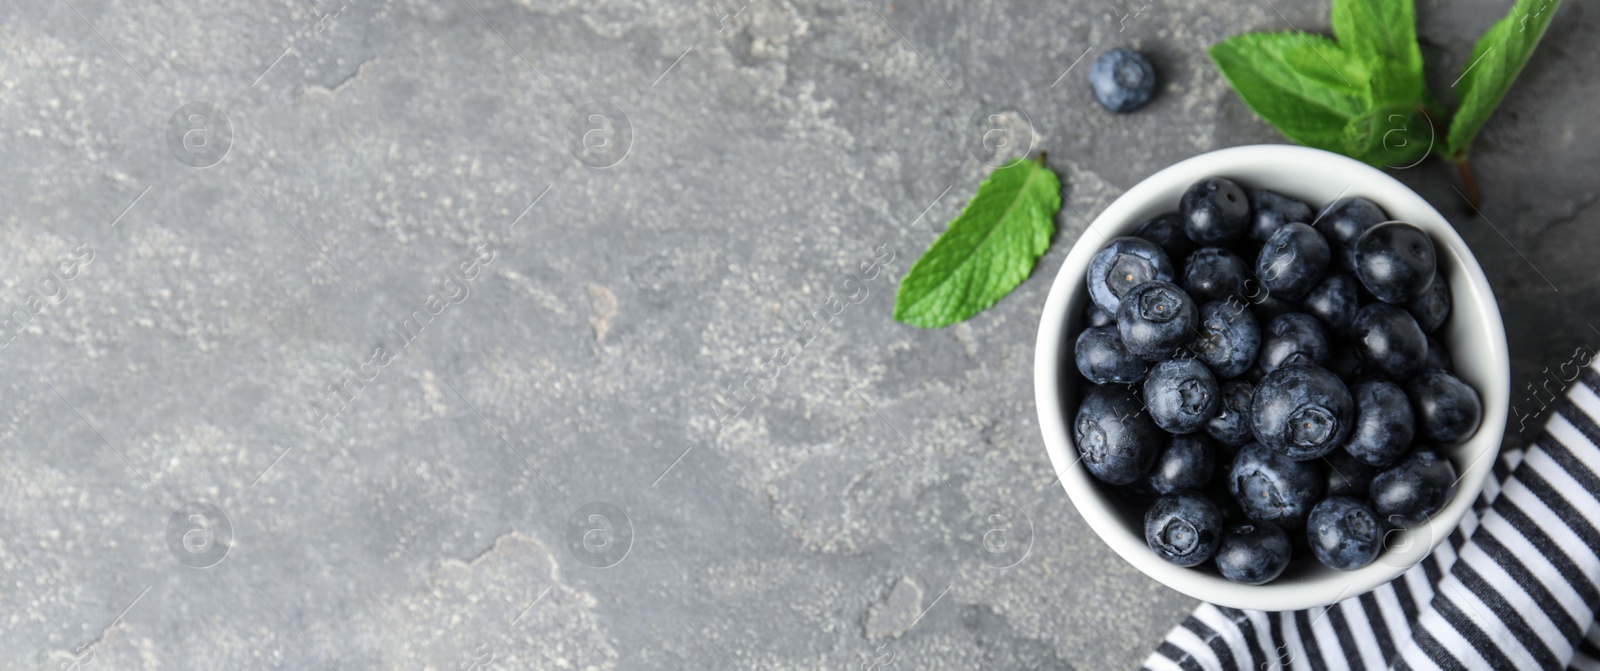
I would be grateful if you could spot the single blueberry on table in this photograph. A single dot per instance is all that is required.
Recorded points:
(1215, 211)
(1271, 210)
(1213, 274)
(1348, 476)
(1344, 533)
(1253, 552)
(1123, 264)
(1293, 261)
(1388, 341)
(1343, 222)
(1292, 338)
(1156, 319)
(1432, 308)
(1166, 230)
(1396, 262)
(1098, 316)
(1123, 80)
(1302, 411)
(1183, 527)
(1228, 338)
(1231, 426)
(1187, 463)
(1275, 488)
(1448, 410)
(1182, 395)
(1384, 424)
(1115, 436)
(1103, 360)
(1412, 491)
(1334, 301)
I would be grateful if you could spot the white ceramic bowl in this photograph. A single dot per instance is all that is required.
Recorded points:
(1474, 335)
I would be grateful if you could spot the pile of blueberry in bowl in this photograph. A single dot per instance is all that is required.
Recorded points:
(1264, 383)
(1383, 388)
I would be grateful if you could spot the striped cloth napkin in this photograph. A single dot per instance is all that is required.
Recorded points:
(1516, 586)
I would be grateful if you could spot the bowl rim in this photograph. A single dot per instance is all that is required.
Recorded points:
(1119, 218)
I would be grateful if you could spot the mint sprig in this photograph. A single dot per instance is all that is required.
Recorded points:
(1305, 85)
(986, 251)
(1496, 60)
(1363, 93)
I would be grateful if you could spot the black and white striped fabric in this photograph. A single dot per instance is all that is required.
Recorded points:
(1516, 586)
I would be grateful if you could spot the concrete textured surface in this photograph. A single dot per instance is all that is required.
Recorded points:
(225, 447)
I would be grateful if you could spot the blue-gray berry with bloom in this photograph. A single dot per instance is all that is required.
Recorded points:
(1123, 80)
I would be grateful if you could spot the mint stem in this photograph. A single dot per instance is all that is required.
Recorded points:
(1435, 128)
(1474, 198)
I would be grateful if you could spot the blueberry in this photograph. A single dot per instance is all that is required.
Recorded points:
(1344, 533)
(1270, 211)
(1123, 80)
(1215, 211)
(1301, 411)
(1156, 319)
(1187, 463)
(1115, 436)
(1432, 308)
(1295, 337)
(1123, 264)
(1448, 410)
(1183, 528)
(1348, 476)
(1231, 425)
(1408, 493)
(1334, 301)
(1213, 274)
(1098, 316)
(1166, 230)
(1102, 359)
(1396, 262)
(1253, 553)
(1182, 395)
(1275, 488)
(1228, 339)
(1389, 341)
(1293, 261)
(1438, 356)
(1344, 221)
(1384, 425)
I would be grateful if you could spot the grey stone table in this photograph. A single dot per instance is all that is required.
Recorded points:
(345, 316)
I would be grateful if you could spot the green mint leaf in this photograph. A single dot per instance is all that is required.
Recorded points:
(1396, 131)
(986, 251)
(1395, 135)
(1304, 85)
(1385, 32)
(1496, 60)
